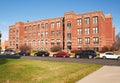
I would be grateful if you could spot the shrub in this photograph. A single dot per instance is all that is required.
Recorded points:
(25, 48)
(55, 49)
(74, 51)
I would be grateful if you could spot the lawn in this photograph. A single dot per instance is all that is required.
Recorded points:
(36, 71)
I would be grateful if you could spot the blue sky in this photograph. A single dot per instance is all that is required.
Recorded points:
(12, 11)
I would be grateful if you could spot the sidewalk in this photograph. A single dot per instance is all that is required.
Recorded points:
(107, 74)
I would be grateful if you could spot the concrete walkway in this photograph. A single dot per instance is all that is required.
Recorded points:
(107, 74)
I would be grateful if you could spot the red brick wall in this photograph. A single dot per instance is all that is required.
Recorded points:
(106, 32)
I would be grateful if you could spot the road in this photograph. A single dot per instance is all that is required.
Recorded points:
(60, 59)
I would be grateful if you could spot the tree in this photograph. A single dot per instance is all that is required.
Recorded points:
(55, 48)
(116, 45)
(104, 49)
(25, 48)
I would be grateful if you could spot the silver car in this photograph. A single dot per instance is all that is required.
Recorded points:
(9, 52)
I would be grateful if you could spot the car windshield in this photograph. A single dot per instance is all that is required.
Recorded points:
(109, 54)
(8, 50)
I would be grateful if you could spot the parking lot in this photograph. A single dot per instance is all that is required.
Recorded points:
(108, 62)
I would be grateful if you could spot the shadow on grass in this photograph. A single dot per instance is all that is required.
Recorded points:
(10, 56)
(3, 58)
(3, 61)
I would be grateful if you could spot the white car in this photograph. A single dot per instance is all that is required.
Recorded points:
(109, 55)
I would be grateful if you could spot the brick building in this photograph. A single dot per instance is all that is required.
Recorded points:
(5, 45)
(91, 30)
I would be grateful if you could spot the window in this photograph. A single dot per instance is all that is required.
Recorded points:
(13, 43)
(79, 31)
(87, 40)
(17, 40)
(79, 21)
(46, 34)
(17, 32)
(10, 30)
(42, 26)
(69, 25)
(14, 30)
(25, 28)
(87, 30)
(52, 41)
(69, 36)
(38, 42)
(46, 41)
(58, 33)
(38, 26)
(34, 27)
(39, 35)
(25, 36)
(52, 33)
(79, 40)
(87, 21)
(34, 35)
(58, 24)
(34, 43)
(29, 43)
(42, 34)
(42, 42)
(10, 43)
(30, 35)
(95, 40)
(95, 20)
(95, 30)
(58, 41)
(52, 25)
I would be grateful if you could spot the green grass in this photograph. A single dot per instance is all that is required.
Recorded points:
(35, 71)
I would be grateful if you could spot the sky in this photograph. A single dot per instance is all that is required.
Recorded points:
(12, 11)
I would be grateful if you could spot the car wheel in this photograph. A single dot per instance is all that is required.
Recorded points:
(64, 56)
(35, 54)
(23, 54)
(118, 58)
(94, 57)
(43, 55)
(54, 55)
(104, 57)
(77, 56)
(90, 57)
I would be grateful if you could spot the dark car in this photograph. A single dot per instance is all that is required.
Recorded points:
(24, 53)
(42, 53)
(86, 54)
(61, 54)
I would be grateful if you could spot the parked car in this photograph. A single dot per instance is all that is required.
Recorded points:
(61, 54)
(109, 55)
(24, 53)
(86, 54)
(42, 53)
(9, 52)
(2, 52)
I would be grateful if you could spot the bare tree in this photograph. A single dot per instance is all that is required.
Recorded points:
(116, 45)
